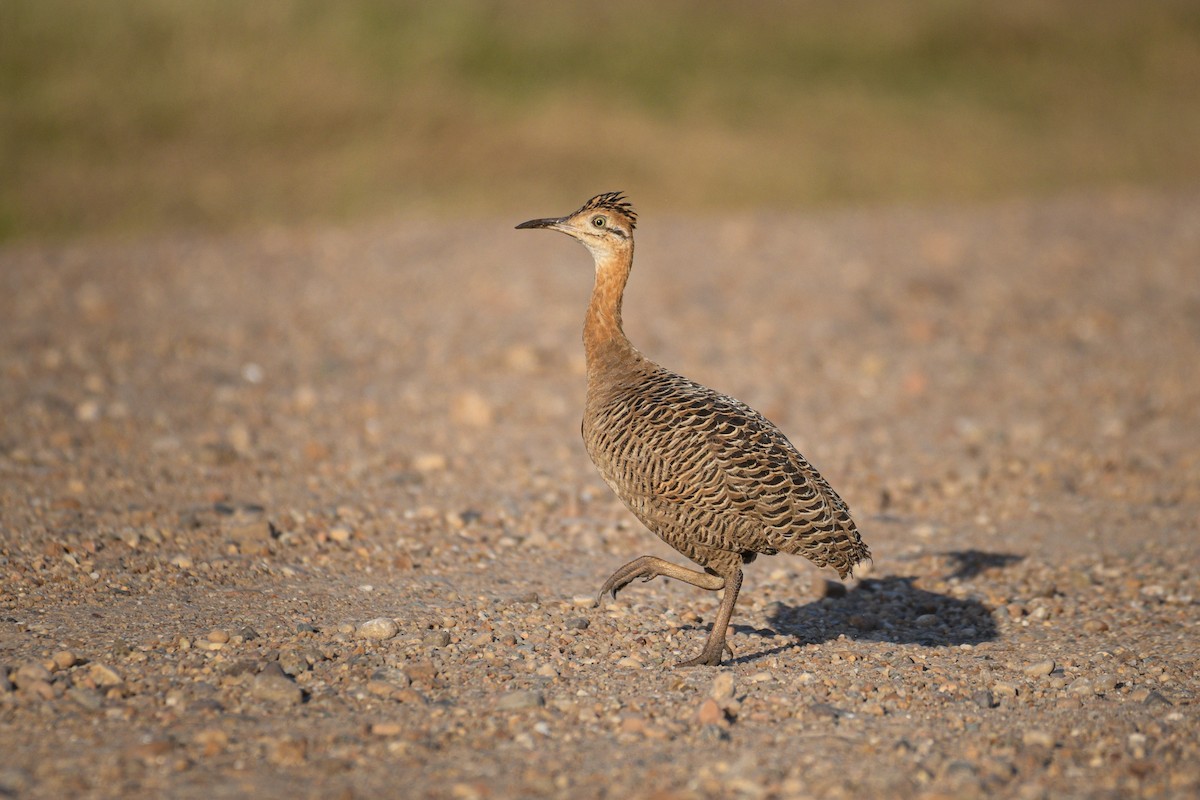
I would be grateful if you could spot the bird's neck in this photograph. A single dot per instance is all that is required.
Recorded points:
(604, 340)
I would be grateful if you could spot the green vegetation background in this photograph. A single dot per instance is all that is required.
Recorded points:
(137, 116)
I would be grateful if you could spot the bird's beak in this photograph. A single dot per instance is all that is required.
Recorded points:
(541, 223)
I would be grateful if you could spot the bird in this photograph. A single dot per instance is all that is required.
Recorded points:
(712, 477)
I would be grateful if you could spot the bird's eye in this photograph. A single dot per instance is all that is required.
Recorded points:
(599, 222)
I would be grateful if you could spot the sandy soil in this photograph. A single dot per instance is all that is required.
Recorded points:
(219, 459)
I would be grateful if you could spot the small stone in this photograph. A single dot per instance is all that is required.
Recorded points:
(213, 741)
(926, 620)
(104, 675)
(152, 751)
(29, 672)
(547, 671)
(984, 699)
(1037, 738)
(471, 409)
(436, 639)
(578, 623)
(632, 723)
(254, 537)
(826, 710)
(378, 628)
(218, 636)
(88, 411)
(710, 713)
(630, 662)
(38, 688)
(1003, 689)
(1080, 686)
(1039, 668)
(89, 699)
(340, 534)
(583, 601)
(288, 751)
(873, 708)
(1104, 683)
(64, 659)
(423, 670)
(386, 729)
(722, 688)
(380, 688)
(429, 462)
(393, 677)
(293, 662)
(519, 700)
(277, 688)
(1095, 626)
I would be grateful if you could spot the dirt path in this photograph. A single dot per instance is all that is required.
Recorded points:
(219, 458)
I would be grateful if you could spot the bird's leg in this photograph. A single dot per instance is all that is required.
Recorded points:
(649, 567)
(714, 647)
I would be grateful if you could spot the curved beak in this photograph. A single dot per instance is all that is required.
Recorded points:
(541, 223)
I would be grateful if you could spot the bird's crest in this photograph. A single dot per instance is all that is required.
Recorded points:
(611, 201)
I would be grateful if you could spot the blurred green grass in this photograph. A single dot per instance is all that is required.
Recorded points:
(139, 116)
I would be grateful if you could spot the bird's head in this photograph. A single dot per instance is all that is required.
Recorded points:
(604, 224)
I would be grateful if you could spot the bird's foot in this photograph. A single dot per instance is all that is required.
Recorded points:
(638, 568)
(709, 656)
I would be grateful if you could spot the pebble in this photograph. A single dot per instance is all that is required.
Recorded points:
(218, 636)
(104, 675)
(436, 639)
(378, 628)
(276, 688)
(710, 713)
(522, 699)
(471, 409)
(429, 462)
(293, 662)
(1039, 668)
(583, 601)
(287, 751)
(253, 537)
(64, 659)
(85, 698)
(30, 672)
(396, 678)
(1037, 738)
(386, 728)
(212, 741)
(722, 688)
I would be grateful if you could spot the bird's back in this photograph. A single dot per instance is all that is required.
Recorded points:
(709, 474)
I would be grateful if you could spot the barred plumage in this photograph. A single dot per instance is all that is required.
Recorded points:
(707, 473)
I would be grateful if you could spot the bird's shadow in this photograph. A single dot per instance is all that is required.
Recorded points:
(888, 609)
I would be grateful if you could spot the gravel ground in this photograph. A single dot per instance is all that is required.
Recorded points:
(306, 514)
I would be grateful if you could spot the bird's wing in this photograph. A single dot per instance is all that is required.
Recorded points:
(704, 458)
